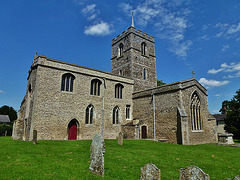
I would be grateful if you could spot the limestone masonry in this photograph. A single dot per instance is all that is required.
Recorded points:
(65, 101)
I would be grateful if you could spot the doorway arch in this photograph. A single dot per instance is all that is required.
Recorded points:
(73, 129)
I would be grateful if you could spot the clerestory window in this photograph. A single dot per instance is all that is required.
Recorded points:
(195, 109)
(118, 91)
(95, 87)
(67, 82)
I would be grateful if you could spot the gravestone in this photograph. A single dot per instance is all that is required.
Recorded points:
(150, 172)
(97, 155)
(225, 139)
(120, 138)
(235, 178)
(192, 173)
(5, 133)
(34, 137)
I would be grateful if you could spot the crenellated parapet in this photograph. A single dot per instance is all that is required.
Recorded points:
(133, 30)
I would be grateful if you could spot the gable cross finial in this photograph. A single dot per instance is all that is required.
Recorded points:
(132, 19)
(36, 53)
(193, 74)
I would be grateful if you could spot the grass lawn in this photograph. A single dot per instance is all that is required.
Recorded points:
(70, 159)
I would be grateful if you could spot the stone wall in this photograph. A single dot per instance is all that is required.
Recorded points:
(54, 109)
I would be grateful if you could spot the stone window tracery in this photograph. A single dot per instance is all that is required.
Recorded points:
(89, 114)
(195, 110)
(67, 82)
(118, 91)
(116, 115)
(95, 87)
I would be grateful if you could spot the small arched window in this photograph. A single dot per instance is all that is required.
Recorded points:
(195, 109)
(120, 52)
(89, 114)
(95, 87)
(67, 82)
(119, 91)
(116, 115)
(143, 48)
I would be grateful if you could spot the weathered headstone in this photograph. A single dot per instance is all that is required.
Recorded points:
(34, 137)
(5, 133)
(235, 178)
(97, 155)
(120, 138)
(150, 172)
(192, 173)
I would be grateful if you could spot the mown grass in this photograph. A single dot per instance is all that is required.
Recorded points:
(71, 159)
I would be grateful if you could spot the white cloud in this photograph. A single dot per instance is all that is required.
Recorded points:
(215, 112)
(212, 83)
(215, 71)
(217, 95)
(100, 29)
(225, 47)
(169, 18)
(89, 9)
(228, 31)
(1, 91)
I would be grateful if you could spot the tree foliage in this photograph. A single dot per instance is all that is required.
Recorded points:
(10, 111)
(232, 110)
(160, 83)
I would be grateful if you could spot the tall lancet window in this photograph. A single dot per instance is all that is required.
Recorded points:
(67, 82)
(143, 48)
(195, 109)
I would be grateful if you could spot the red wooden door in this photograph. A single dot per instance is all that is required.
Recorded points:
(144, 132)
(72, 133)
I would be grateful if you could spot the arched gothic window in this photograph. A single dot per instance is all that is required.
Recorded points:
(116, 115)
(120, 52)
(67, 82)
(143, 48)
(95, 87)
(118, 91)
(144, 74)
(89, 114)
(195, 109)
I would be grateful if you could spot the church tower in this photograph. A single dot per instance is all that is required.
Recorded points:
(133, 56)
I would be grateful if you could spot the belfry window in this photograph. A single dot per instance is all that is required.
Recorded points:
(116, 115)
(195, 110)
(143, 48)
(119, 91)
(89, 114)
(95, 87)
(67, 82)
(120, 52)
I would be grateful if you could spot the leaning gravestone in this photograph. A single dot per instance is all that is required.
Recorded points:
(97, 155)
(120, 138)
(192, 173)
(34, 137)
(150, 172)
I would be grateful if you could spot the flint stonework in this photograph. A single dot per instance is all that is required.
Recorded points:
(34, 137)
(150, 172)
(97, 155)
(192, 173)
(120, 138)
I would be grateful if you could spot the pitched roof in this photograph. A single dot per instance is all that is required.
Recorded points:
(220, 117)
(4, 119)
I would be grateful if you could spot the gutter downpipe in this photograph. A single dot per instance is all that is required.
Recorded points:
(154, 134)
(104, 87)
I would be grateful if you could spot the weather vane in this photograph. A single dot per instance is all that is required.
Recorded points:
(193, 74)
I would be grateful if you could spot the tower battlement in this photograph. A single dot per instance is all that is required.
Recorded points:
(137, 32)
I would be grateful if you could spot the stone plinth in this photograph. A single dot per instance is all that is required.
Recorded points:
(150, 172)
(225, 139)
(193, 172)
(97, 155)
(120, 138)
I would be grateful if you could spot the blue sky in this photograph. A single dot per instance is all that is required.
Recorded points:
(203, 36)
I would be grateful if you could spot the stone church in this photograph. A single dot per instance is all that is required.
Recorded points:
(65, 101)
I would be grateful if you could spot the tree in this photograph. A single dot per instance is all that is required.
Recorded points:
(10, 111)
(160, 83)
(232, 110)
